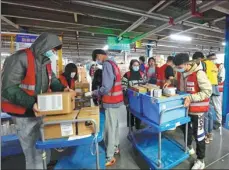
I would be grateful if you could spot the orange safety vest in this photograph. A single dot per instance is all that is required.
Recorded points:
(192, 87)
(27, 84)
(220, 85)
(115, 95)
(65, 83)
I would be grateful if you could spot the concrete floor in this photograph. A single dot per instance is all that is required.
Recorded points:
(217, 153)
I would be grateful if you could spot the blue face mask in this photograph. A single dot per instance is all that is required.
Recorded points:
(180, 70)
(49, 53)
(135, 68)
(99, 62)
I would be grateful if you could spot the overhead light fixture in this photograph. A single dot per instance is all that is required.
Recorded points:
(223, 43)
(106, 47)
(4, 54)
(180, 37)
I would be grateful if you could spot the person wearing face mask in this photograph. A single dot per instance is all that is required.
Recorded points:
(212, 73)
(69, 76)
(151, 71)
(131, 78)
(193, 80)
(28, 73)
(112, 101)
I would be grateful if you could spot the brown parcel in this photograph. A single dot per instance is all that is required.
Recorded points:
(60, 130)
(86, 128)
(56, 103)
(150, 87)
(139, 89)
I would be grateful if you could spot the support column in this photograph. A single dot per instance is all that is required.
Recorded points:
(226, 65)
(149, 49)
(60, 62)
(125, 58)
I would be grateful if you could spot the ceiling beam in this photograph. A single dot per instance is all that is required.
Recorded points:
(221, 9)
(141, 19)
(165, 5)
(9, 22)
(188, 15)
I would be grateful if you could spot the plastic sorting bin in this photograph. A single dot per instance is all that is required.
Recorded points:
(135, 101)
(153, 108)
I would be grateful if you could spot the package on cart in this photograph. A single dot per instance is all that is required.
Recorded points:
(61, 130)
(82, 102)
(86, 128)
(139, 89)
(170, 91)
(82, 88)
(150, 87)
(156, 93)
(56, 103)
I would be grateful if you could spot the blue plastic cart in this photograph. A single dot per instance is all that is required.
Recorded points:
(61, 143)
(161, 115)
(10, 143)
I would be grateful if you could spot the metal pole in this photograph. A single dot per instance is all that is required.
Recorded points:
(226, 65)
(159, 150)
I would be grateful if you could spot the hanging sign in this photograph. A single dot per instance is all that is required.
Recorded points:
(115, 44)
(24, 41)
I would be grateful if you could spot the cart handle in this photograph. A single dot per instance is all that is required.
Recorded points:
(67, 121)
(173, 108)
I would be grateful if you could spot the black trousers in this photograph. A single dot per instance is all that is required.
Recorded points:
(134, 120)
(196, 130)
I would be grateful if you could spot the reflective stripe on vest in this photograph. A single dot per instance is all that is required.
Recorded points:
(27, 84)
(115, 95)
(192, 87)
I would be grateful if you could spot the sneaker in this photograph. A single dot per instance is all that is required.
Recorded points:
(210, 136)
(199, 165)
(110, 161)
(117, 150)
(207, 140)
(191, 151)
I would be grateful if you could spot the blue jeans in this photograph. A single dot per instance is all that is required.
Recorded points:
(208, 122)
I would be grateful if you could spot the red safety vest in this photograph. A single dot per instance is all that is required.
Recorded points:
(65, 83)
(27, 85)
(220, 85)
(141, 74)
(161, 75)
(115, 95)
(192, 87)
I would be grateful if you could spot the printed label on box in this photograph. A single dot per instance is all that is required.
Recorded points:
(50, 102)
(66, 129)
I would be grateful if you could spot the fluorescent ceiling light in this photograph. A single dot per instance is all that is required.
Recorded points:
(180, 37)
(5, 54)
(106, 47)
(223, 43)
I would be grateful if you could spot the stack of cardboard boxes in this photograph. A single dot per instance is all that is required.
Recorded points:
(81, 100)
(59, 107)
(82, 75)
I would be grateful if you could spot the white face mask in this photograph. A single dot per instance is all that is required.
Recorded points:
(100, 67)
(73, 74)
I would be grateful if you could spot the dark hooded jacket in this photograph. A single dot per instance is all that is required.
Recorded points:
(15, 68)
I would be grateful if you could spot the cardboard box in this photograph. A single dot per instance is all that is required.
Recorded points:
(86, 128)
(139, 89)
(150, 87)
(60, 130)
(56, 103)
(82, 102)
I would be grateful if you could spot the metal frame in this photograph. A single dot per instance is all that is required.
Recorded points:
(160, 132)
(70, 121)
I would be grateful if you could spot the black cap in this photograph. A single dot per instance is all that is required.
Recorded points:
(211, 55)
(97, 51)
(170, 58)
(142, 58)
(181, 58)
(198, 55)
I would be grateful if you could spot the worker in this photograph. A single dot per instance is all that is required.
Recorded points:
(191, 79)
(166, 73)
(26, 74)
(96, 84)
(151, 71)
(92, 70)
(199, 58)
(112, 99)
(133, 77)
(212, 73)
(142, 64)
(221, 75)
(69, 76)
